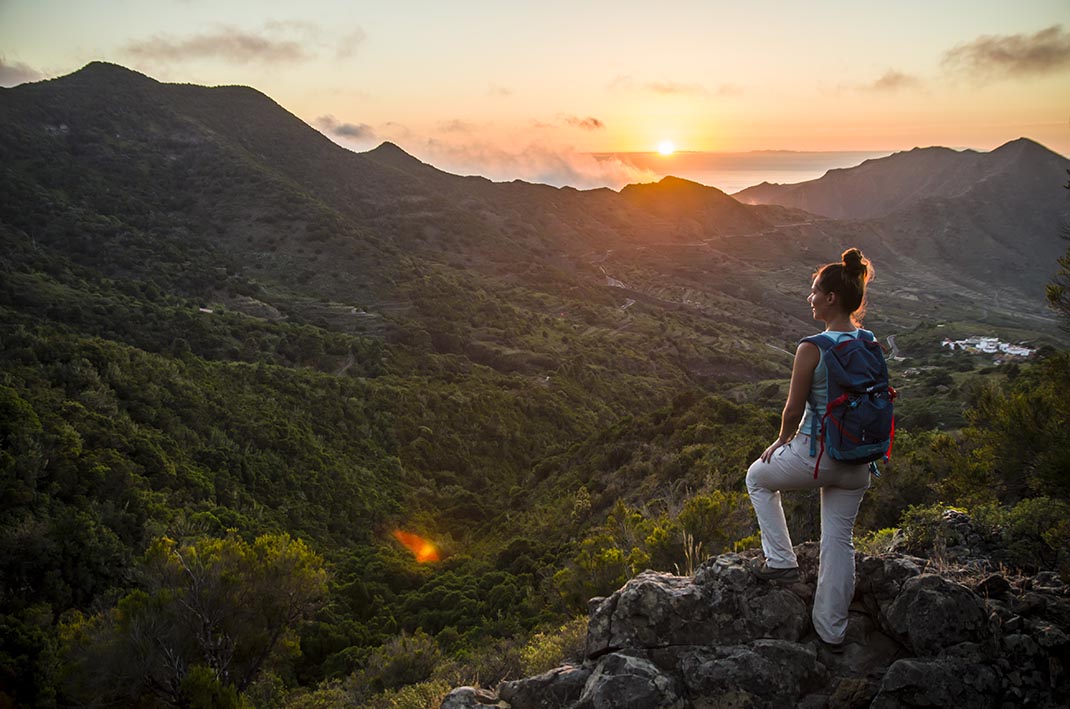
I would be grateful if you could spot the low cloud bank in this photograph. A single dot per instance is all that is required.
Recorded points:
(558, 166)
(15, 73)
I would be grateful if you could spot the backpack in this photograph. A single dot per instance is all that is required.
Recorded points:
(858, 425)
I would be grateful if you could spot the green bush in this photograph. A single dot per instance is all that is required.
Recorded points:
(404, 659)
(879, 541)
(1035, 533)
(545, 651)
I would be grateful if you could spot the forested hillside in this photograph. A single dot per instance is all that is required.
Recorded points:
(236, 359)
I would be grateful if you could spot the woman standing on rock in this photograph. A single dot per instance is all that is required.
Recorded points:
(837, 298)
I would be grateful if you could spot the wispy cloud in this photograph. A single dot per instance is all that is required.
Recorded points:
(538, 163)
(499, 91)
(589, 123)
(350, 43)
(1015, 55)
(892, 81)
(355, 131)
(674, 88)
(12, 74)
(456, 125)
(227, 43)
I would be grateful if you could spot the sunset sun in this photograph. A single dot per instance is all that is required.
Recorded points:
(666, 147)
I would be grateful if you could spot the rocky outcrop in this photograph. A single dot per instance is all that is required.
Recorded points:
(726, 639)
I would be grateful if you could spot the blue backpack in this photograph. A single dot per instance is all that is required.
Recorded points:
(858, 425)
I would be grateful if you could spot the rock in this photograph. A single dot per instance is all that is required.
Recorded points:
(625, 680)
(932, 613)
(723, 605)
(853, 692)
(930, 682)
(725, 639)
(764, 673)
(469, 698)
(995, 586)
(557, 688)
(883, 576)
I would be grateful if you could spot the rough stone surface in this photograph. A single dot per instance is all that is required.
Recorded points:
(626, 680)
(470, 698)
(932, 613)
(725, 639)
(557, 688)
(929, 682)
(773, 672)
(723, 605)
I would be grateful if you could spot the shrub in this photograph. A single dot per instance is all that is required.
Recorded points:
(404, 659)
(1035, 533)
(545, 651)
(880, 541)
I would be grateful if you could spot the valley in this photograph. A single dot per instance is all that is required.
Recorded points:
(221, 330)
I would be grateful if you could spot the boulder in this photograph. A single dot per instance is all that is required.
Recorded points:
(557, 688)
(723, 605)
(932, 613)
(726, 639)
(931, 682)
(627, 680)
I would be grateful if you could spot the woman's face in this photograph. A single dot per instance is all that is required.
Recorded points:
(820, 302)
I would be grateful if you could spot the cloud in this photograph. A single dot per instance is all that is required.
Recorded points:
(350, 43)
(893, 81)
(589, 123)
(456, 126)
(500, 91)
(355, 131)
(12, 74)
(673, 88)
(1013, 55)
(540, 163)
(226, 43)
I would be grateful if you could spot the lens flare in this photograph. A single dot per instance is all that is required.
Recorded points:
(423, 550)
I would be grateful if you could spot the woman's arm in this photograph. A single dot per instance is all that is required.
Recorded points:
(802, 375)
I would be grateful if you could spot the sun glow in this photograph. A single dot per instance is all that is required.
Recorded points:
(666, 147)
(422, 549)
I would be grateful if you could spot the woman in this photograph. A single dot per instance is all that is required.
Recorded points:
(837, 298)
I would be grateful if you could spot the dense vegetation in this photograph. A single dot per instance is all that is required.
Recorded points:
(233, 362)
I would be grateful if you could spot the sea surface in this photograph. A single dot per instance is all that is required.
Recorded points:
(732, 172)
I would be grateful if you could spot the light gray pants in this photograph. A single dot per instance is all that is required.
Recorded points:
(842, 487)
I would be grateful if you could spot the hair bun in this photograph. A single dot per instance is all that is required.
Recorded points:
(854, 263)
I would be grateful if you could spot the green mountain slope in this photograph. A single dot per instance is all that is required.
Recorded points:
(213, 318)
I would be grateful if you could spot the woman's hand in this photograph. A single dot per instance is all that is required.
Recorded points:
(768, 454)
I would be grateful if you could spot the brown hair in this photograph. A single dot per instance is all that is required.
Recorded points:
(847, 280)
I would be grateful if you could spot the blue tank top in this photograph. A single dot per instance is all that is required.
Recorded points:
(817, 399)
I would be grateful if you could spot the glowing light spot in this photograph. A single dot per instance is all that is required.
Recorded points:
(422, 549)
(666, 147)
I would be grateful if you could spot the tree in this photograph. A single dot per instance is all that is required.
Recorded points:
(210, 617)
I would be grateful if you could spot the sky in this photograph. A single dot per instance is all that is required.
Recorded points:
(562, 92)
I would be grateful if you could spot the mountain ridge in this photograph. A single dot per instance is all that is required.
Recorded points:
(885, 185)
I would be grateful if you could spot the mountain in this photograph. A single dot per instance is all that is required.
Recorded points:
(881, 186)
(965, 217)
(218, 324)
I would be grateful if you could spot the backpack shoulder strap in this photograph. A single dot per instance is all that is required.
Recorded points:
(823, 341)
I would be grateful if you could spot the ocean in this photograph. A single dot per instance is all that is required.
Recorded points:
(732, 172)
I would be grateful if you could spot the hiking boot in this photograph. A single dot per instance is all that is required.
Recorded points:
(765, 572)
(834, 648)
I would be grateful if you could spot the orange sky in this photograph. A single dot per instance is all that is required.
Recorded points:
(523, 89)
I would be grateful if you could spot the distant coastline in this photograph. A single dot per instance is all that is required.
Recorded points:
(732, 172)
